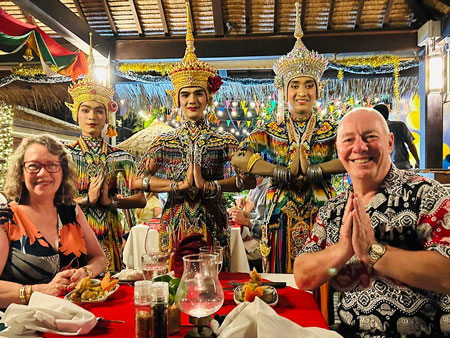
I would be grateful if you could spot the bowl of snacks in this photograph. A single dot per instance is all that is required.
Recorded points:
(255, 288)
(90, 290)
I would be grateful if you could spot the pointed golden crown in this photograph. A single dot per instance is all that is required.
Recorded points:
(191, 72)
(299, 61)
(90, 89)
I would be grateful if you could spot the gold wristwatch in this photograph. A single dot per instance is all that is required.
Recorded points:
(376, 251)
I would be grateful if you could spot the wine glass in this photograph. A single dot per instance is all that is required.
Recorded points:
(199, 294)
(216, 250)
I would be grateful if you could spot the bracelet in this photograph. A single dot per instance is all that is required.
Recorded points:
(22, 294)
(28, 292)
(218, 188)
(88, 271)
(174, 187)
(281, 174)
(252, 160)
(113, 205)
(239, 182)
(314, 173)
(146, 183)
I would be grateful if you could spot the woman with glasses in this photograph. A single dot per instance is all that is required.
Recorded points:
(47, 244)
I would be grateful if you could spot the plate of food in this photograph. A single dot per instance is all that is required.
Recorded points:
(254, 288)
(90, 290)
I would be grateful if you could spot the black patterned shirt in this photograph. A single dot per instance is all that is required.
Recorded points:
(408, 212)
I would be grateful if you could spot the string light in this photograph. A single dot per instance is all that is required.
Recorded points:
(6, 139)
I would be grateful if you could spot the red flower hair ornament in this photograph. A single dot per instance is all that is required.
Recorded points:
(214, 83)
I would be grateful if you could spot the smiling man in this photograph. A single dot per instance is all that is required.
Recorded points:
(385, 243)
(297, 188)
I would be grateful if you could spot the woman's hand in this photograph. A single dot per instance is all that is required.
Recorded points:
(303, 160)
(60, 284)
(105, 200)
(188, 181)
(95, 187)
(198, 178)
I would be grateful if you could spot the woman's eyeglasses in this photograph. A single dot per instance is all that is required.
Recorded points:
(34, 167)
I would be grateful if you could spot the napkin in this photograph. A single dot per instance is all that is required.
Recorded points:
(187, 246)
(257, 319)
(45, 313)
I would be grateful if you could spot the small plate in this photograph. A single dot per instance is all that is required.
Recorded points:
(272, 290)
(105, 296)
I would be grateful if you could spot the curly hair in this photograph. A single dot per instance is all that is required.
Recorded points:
(15, 189)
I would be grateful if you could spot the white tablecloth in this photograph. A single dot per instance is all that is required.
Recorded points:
(135, 247)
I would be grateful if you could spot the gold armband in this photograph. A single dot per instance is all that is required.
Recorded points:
(252, 160)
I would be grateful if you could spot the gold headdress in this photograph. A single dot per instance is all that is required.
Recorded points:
(191, 72)
(89, 89)
(298, 62)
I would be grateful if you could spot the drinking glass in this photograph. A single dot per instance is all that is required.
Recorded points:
(154, 264)
(218, 251)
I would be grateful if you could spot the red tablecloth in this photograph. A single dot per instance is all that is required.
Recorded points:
(296, 305)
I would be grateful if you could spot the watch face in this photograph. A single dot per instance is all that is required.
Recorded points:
(377, 248)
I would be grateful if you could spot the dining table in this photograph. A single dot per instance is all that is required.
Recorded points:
(296, 305)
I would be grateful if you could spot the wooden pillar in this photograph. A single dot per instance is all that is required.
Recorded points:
(431, 123)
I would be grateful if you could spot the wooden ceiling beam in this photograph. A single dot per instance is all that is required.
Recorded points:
(109, 16)
(163, 16)
(68, 25)
(276, 28)
(387, 13)
(265, 45)
(136, 17)
(218, 17)
(79, 10)
(359, 14)
(445, 2)
(248, 16)
(330, 14)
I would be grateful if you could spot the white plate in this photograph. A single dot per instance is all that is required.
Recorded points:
(238, 289)
(105, 296)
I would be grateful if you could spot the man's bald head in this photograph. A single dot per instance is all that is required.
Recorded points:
(363, 113)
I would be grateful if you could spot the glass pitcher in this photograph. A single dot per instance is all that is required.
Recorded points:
(199, 294)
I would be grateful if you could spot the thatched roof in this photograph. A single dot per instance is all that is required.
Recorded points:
(138, 143)
(43, 97)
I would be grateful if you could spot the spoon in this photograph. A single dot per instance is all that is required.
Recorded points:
(102, 319)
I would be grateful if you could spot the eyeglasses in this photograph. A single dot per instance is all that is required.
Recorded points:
(34, 167)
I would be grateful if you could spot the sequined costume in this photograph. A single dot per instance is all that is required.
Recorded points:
(190, 211)
(91, 155)
(292, 209)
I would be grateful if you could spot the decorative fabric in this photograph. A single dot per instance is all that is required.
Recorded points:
(294, 207)
(91, 156)
(89, 89)
(32, 259)
(408, 212)
(189, 212)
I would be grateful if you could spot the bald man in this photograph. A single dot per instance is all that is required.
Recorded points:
(385, 243)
